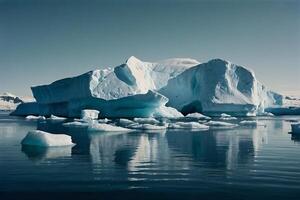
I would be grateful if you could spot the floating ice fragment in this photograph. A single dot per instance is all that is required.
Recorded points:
(44, 139)
(33, 117)
(56, 118)
(187, 125)
(107, 128)
(147, 126)
(225, 116)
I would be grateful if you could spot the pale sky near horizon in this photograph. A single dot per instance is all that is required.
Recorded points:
(42, 40)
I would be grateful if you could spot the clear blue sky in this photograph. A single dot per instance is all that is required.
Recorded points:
(41, 41)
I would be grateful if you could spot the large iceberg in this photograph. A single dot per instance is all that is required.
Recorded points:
(144, 89)
(216, 87)
(128, 90)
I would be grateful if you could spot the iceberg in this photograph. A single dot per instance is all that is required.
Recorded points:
(44, 139)
(219, 86)
(9, 101)
(128, 90)
(160, 90)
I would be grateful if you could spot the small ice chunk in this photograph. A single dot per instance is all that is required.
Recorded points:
(296, 128)
(89, 114)
(147, 126)
(44, 139)
(251, 123)
(225, 116)
(198, 116)
(76, 124)
(56, 118)
(148, 120)
(220, 124)
(106, 127)
(188, 125)
(33, 117)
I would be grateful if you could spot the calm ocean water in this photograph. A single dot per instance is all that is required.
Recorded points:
(239, 163)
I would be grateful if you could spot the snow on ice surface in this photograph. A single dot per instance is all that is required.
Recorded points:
(44, 139)
(188, 125)
(197, 116)
(107, 128)
(296, 128)
(88, 114)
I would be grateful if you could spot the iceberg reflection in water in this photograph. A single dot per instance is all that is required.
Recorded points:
(211, 162)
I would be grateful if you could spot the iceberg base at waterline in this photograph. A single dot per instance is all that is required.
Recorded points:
(140, 105)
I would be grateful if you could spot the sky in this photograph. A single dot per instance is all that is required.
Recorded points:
(42, 41)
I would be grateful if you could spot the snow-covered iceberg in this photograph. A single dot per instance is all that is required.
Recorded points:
(219, 86)
(128, 90)
(9, 101)
(144, 89)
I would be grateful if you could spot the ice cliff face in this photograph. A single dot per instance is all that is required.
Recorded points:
(141, 89)
(216, 87)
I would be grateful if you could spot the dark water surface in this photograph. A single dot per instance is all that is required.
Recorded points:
(239, 163)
